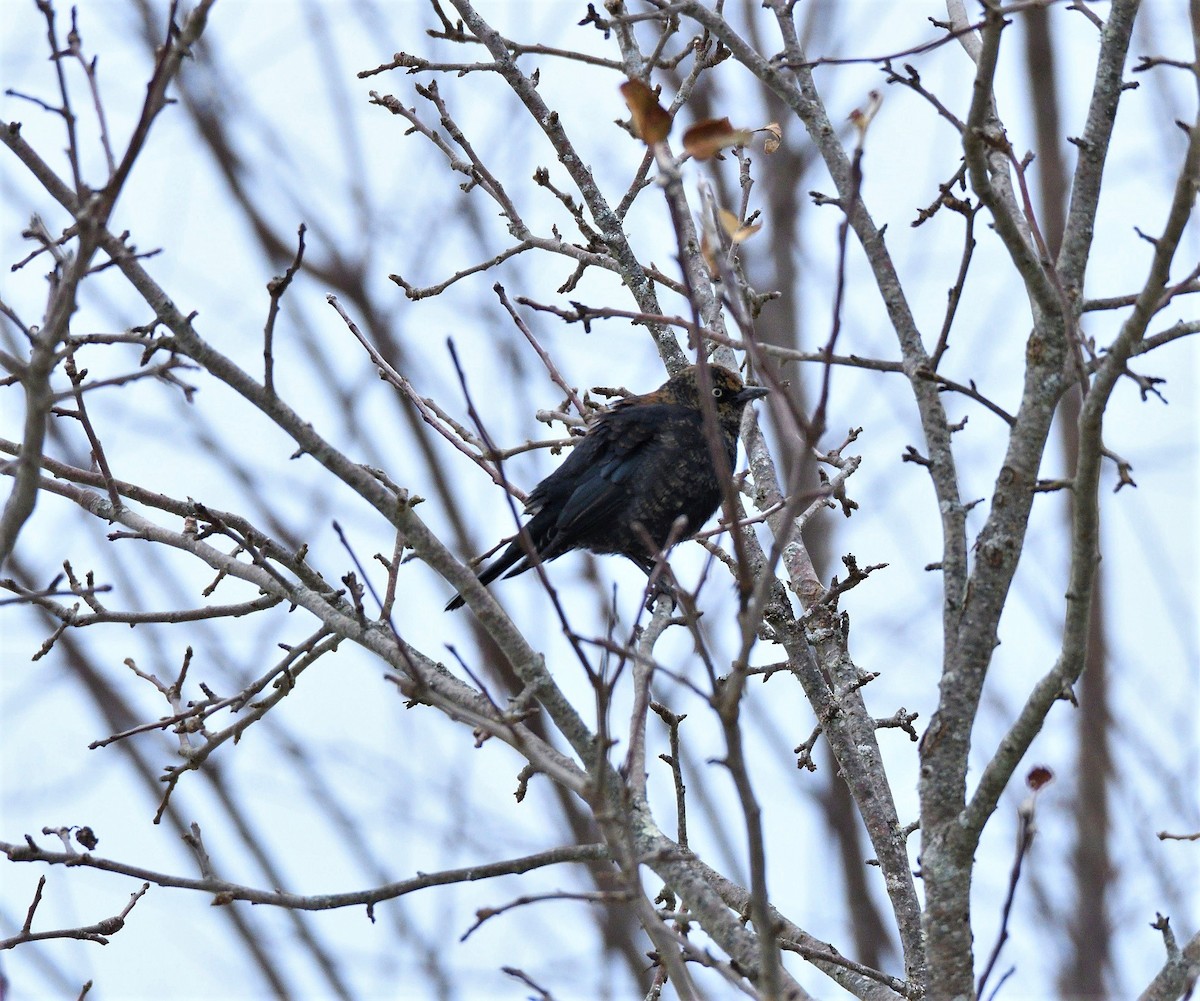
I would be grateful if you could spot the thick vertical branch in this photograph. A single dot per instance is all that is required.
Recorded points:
(1088, 924)
(1093, 147)
(1085, 534)
(851, 731)
(35, 380)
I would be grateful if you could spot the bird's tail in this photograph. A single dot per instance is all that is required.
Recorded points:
(514, 554)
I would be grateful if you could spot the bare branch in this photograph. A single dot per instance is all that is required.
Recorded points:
(224, 891)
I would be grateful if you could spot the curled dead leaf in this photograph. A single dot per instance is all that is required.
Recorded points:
(709, 254)
(735, 229)
(774, 137)
(650, 121)
(707, 138)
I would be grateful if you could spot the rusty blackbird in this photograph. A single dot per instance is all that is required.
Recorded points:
(642, 465)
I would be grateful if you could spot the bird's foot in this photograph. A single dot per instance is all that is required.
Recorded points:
(661, 587)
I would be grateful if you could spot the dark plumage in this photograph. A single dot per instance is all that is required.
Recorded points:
(639, 467)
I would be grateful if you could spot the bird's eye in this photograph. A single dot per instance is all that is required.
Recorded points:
(718, 392)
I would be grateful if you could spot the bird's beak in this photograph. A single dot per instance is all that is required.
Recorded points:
(751, 393)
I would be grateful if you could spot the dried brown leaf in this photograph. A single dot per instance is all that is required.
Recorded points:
(774, 137)
(650, 121)
(708, 252)
(707, 138)
(735, 229)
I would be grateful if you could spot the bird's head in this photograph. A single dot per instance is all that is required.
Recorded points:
(724, 386)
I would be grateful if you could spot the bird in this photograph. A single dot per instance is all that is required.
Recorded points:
(642, 465)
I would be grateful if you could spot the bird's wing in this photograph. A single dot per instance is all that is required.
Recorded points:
(595, 481)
